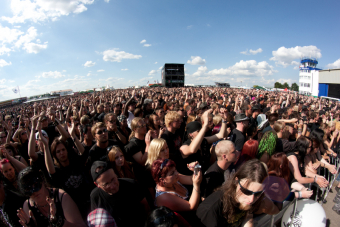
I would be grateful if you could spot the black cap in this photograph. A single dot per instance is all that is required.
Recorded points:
(193, 126)
(103, 168)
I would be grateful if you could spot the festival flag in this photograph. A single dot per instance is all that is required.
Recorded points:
(15, 90)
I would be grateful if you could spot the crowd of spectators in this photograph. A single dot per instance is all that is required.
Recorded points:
(163, 156)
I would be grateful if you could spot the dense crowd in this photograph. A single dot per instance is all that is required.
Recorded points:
(163, 156)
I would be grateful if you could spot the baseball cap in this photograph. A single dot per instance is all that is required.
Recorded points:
(103, 168)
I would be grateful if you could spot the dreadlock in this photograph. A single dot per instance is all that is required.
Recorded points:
(267, 144)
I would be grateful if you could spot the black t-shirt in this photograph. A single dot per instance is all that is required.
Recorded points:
(133, 147)
(212, 179)
(99, 154)
(87, 148)
(124, 206)
(114, 137)
(174, 142)
(210, 212)
(202, 156)
(13, 201)
(23, 151)
(74, 180)
(238, 139)
(283, 145)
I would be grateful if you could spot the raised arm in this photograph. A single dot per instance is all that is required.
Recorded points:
(196, 142)
(31, 143)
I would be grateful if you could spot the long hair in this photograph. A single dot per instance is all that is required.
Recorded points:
(125, 168)
(278, 166)
(134, 125)
(249, 149)
(317, 136)
(155, 148)
(151, 121)
(301, 145)
(54, 145)
(267, 144)
(252, 171)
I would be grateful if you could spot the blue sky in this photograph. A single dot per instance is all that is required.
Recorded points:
(48, 45)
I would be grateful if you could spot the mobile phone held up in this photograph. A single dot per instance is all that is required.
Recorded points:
(197, 169)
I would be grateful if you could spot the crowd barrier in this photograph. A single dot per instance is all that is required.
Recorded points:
(272, 220)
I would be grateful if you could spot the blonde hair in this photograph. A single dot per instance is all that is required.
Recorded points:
(331, 124)
(171, 116)
(217, 119)
(155, 148)
(134, 125)
(97, 126)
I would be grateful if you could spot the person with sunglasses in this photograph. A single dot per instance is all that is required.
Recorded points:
(122, 198)
(45, 206)
(110, 121)
(171, 193)
(239, 197)
(99, 150)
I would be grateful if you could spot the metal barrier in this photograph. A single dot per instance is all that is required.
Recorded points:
(270, 220)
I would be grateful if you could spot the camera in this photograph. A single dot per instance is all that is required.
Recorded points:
(197, 169)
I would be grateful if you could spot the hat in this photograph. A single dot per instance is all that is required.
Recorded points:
(193, 126)
(100, 218)
(255, 107)
(95, 174)
(241, 117)
(121, 118)
(261, 120)
(42, 132)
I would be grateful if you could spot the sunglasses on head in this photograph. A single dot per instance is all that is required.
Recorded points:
(162, 166)
(101, 131)
(248, 192)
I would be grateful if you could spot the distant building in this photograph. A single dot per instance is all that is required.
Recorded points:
(62, 92)
(173, 75)
(218, 84)
(317, 82)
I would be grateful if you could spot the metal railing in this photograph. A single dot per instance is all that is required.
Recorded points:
(271, 220)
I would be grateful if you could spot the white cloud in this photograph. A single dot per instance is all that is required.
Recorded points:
(8, 35)
(143, 41)
(200, 71)
(41, 10)
(107, 1)
(89, 64)
(160, 68)
(152, 72)
(114, 55)
(4, 63)
(89, 74)
(147, 45)
(3, 81)
(189, 27)
(156, 62)
(196, 60)
(286, 56)
(253, 52)
(334, 65)
(246, 68)
(100, 70)
(288, 81)
(4, 50)
(28, 45)
(51, 74)
(124, 69)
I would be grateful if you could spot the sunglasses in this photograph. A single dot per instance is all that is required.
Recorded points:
(112, 122)
(162, 166)
(101, 131)
(141, 126)
(248, 192)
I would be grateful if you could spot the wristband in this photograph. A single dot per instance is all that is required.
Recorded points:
(315, 178)
(223, 121)
(300, 195)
